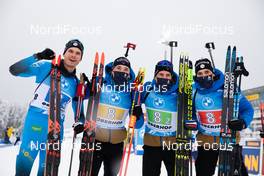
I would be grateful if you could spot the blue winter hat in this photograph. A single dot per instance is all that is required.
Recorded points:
(164, 65)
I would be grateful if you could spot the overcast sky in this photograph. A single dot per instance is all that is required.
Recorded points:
(27, 27)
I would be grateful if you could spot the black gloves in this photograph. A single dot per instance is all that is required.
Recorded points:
(237, 124)
(78, 127)
(46, 54)
(137, 111)
(240, 69)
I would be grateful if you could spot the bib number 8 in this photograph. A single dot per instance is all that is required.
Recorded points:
(157, 117)
(111, 113)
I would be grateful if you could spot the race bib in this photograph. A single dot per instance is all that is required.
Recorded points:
(161, 121)
(210, 121)
(111, 117)
(42, 96)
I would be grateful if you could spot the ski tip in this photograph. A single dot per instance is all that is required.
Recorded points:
(142, 69)
(96, 57)
(229, 47)
(234, 49)
(56, 61)
(190, 64)
(102, 57)
(59, 60)
(182, 54)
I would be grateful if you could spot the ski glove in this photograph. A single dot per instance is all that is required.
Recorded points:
(78, 127)
(240, 69)
(137, 111)
(46, 54)
(237, 124)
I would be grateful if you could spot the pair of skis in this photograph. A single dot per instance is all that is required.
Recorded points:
(229, 158)
(53, 147)
(138, 85)
(183, 158)
(88, 139)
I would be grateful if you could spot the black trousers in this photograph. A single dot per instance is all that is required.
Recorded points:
(206, 162)
(111, 155)
(152, 158)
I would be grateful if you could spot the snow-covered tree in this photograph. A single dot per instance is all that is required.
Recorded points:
(11, 115)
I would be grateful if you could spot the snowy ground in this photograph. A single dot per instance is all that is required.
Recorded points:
(8, 159)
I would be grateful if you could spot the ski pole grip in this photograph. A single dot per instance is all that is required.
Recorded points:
(210, 45)
(128, 46)
(173, 43)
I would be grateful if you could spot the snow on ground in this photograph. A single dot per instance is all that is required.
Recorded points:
(8, 160)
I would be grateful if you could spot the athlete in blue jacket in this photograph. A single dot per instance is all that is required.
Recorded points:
(114, 108)
(160, 99)
(35, 132)
(207, 98)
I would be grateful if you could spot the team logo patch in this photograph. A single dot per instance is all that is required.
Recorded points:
(115, 98)
(207, 102)
(75, 44)
(158, 102)
(64, 83)
(202, 66)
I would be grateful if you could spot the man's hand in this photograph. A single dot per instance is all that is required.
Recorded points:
(46, 54)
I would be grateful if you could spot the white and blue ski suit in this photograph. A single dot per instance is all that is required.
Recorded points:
(35, 132)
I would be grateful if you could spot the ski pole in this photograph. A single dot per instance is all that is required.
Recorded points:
(172, 44)
(128, 46)
(80, 94)
(210, 46)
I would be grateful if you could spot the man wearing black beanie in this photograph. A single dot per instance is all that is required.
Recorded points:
(36, 121)
(207, 110)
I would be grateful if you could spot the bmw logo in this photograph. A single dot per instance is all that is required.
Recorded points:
(64, 83)
(158, 102)
(207, 102)
(115, 98)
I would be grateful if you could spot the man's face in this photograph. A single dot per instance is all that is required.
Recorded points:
(72, 57)
(164, 74)
(121, 68)
(204, 73)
